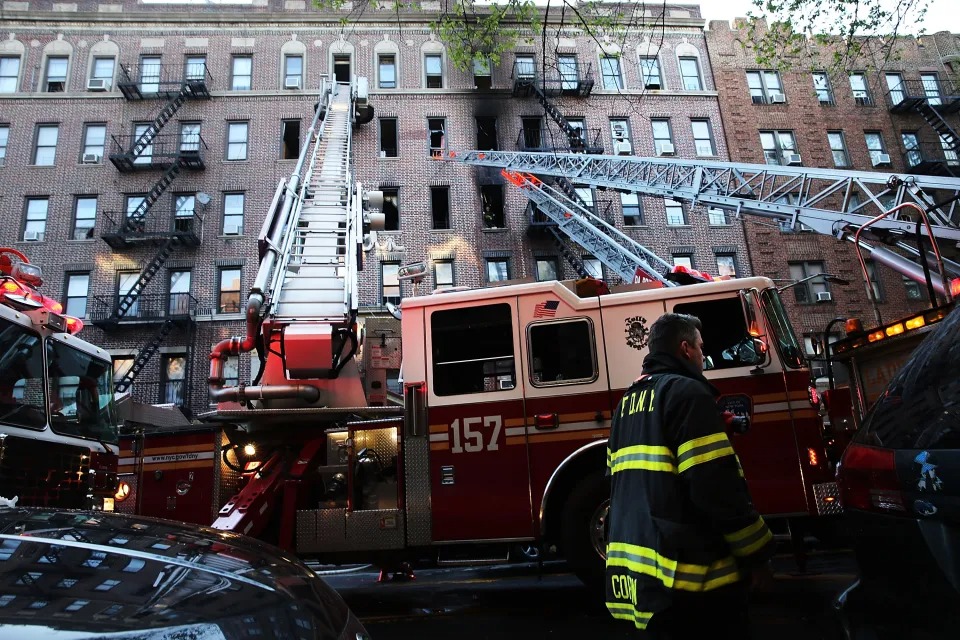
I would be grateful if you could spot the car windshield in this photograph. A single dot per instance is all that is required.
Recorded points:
(22, 399)
(790, 351)
(81, 394)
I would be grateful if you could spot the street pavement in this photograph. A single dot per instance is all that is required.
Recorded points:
(520, 600)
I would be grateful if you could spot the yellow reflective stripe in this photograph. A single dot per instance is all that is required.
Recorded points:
(749, 539)
(700, 450)
(697, 577)
(626, 611)
(641, 456)
(609, 458)
(673, 575)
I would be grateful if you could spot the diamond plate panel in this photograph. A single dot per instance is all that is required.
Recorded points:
(365, 529)
(827, 495)
(328, 533)
(416, 472)
(128, 506)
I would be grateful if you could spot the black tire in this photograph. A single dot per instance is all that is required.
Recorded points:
(583, 530)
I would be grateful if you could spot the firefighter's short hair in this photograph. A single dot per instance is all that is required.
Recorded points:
(670, 330)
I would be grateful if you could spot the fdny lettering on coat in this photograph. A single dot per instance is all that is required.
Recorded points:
(637, 402)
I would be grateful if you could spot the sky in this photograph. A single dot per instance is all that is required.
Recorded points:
(942, 15)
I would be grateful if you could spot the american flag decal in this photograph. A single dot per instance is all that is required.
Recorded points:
(546, 309)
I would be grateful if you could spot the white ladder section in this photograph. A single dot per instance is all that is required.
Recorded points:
(314, 282)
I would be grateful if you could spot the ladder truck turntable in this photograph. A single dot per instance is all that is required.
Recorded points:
(501, 436)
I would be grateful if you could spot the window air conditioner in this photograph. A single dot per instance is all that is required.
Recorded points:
(881, 158)
(776, 98)
(91, 158)
(792, 158)
(622, 148)
(292, 83)
(824, 296)
(98, 84)
(31, 236)
(231, 229)
(666, 149)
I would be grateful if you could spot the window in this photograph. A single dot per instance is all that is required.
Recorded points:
(237, 133)
(387, 71)
(874, 280)
(228, 293)
(911, 148)
(4, 139)
(293, 72)
(84, 217)
(36, 219)
(821, 85)
(94, 139)
(9, 73)
(184, 211)
(179, 292)
(913, 289)
(440, 207)
(575, 363)
(703, 137)
(650, 72)
(580, 126)
(524, 66)
(102, 70)
(876, 148)
(491, 201)
(858, 86)
(389, 283)
(838, 147)
(717, 217)
(487, 133)
(56, 77)
(931, 88)
(391, 209)
(610, 70)
(765, 87)
(473, 351)
(593, 267)
(949, 153)
(442, 273)
(532, 133)
(231, 371)
(675, 214)
(482, 78)
(121, 365)
(498, 269)
(433, 69)
(242, 73)
(690, 73)
(436, 133)
(388, 138)
(190, 137)
(78, 285)
(195, 68)
(683, 260)
(632, 213)
(149, 74)
(806, 292)
(779, 147)
(547, 269)
(343, 67)
(620, 133)
(585, 194)
(45, 152)
(895, 88)
(174, 379)
(233, 214)
(726, 340)
(136, 208)
(569, 77)
(726, 265)
(290, 140)
(662, 137)
(145, 156)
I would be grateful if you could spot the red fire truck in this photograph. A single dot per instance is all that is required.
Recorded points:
(58, 420)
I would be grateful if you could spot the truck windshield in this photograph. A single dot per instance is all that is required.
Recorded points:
(81, 394)
(787, 345)
(22, 400)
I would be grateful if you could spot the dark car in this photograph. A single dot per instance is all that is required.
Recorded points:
(80, 574)
(900, 486)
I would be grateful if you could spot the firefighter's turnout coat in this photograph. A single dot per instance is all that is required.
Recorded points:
(680, 513)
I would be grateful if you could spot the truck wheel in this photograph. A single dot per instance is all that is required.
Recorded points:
(584, 534)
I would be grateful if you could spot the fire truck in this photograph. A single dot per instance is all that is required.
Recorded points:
(508, 391)
(58, 419)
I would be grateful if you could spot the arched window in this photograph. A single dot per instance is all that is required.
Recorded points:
(386, 60)
(102, 66)
(56, 66)
(691, 72)
(11, 65)
(434, 57)
(293, 60)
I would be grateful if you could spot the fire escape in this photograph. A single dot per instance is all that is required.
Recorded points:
(932, 99)
(150, 149)
(566, 80)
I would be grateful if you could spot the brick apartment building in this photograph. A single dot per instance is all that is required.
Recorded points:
(866, 120)
(79, 82)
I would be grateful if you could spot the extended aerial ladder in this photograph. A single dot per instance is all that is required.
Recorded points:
(830, 202)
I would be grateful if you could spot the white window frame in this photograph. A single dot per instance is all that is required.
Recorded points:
(10, 82)
(428, 73)
(237, 148)
(43, 145)
(233, 206)
(611, 72)
(236, 73)
(708, 140)
(76, 288)
(35, 220)
(79, 231)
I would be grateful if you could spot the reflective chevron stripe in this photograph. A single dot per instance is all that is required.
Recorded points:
(700, 450)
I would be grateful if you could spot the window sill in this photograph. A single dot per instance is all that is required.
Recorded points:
(231, 236)
(679, 226)
(82, 240)
(442, 230)
(244, 161)
(397, 157)
(495, 230)
(90, 164)
(636, 226)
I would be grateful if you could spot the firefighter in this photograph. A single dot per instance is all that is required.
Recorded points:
(684, 540)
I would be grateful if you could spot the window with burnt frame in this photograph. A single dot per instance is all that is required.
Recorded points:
(487, 133)
(726, 341)
(473, 350)
(491, 200)
(389, 143)
(575, 363)
(391, 209)
(440, 207)
(290, 141)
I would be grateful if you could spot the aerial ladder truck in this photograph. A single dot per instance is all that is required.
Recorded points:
(501, 436)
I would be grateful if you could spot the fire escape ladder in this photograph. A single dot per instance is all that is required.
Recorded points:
(574, 134)
(936, 121)
(143, 356)
(136, 216)
(168, 111)
(130, 298)
(568, 253)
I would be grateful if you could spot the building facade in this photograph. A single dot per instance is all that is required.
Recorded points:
(152, 239)
(868, 119)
